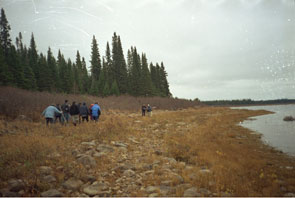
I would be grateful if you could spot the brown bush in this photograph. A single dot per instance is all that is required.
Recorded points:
(15, 102)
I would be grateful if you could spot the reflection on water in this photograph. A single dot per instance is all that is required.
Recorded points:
(276, 132)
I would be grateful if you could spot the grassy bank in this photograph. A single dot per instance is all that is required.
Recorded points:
(211, 151)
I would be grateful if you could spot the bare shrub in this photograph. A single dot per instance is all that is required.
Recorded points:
(15, 101)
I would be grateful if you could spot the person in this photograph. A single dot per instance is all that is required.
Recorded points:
(96, 111)
(90, 111)
(66, 111)
(49, 113)
(84, 112)
(74, 112)
(79, 105)
(149, 110)
(143, 109)
(58, 115)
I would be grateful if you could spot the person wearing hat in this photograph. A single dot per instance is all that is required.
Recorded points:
(49, 113)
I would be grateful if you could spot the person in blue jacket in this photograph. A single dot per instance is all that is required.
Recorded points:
(95, 111)
(49, 113)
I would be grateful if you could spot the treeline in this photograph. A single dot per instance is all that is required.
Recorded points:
(111, 74)
(248, 102)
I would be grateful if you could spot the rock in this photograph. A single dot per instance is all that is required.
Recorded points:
(45, 170)
(167, 190)
(120, 144)
(171, 160)
(184, 186)
(99, 154)
(205, 192)
(154, 195)
(92, 143)
(87, 160)
(16, 185)
(88, 178)
(24, 118)
(59, 168)
(52, 193)
(96, 189)
(54, 155)
(166, 183)
(191, 192)
(104, 148)
(152, 189)
(158, 152)
(177, 179)
(72, 184)
(204, 171)
(289, 195)
(129, 173)
(4, 192)
(49, 179)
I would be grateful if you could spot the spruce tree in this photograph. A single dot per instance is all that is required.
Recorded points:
(79, 73)
(146, 77)
(95, 67)
(109, 73)
(15, 67)
(53, 74)
(5, 74)
(114, 89)
(86, 81)
(119, 64)
(45, 81)
(164, 81)
(106, 89)
(33, 59)
(5, 40)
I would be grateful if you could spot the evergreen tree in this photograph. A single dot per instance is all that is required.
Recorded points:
(52, 68)
(109, 73)
(79, 73)
(164, 81)
(114, 89)
(106, 89)
(62, 71)
(85, 78)
(33, 59)
(146, 77)
(5, 40)
(13, 61)
(29, 81)
(119, 64)
(154, 77)
(5, 74)
(45, 81)
(95, 67)
(135, 74)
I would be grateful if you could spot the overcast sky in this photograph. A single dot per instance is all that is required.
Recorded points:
(212, 49)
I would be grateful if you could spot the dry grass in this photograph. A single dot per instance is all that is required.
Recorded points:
(201, 138)
(15, 102)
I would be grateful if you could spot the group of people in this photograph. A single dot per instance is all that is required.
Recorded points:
(76, 112)
(147, 109)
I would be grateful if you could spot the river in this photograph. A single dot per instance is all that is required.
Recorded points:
(276, 132)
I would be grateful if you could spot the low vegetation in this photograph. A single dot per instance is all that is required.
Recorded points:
(201, 147)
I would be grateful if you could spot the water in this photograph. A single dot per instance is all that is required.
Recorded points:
(276, 132)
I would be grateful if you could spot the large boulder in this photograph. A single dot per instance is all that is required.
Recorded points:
(87, 160)
(96, 189)
(16, 185)
(72, 184)
(52, 193)
(191, 192)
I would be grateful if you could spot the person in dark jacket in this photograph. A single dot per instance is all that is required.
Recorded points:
(66, 111)
(74, 111)
(84, 112)
(58, 115)
(143, 109)
(79, 105)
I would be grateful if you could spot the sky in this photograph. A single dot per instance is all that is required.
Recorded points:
(211, 49)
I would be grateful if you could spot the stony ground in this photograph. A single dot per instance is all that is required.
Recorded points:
(136, 165)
